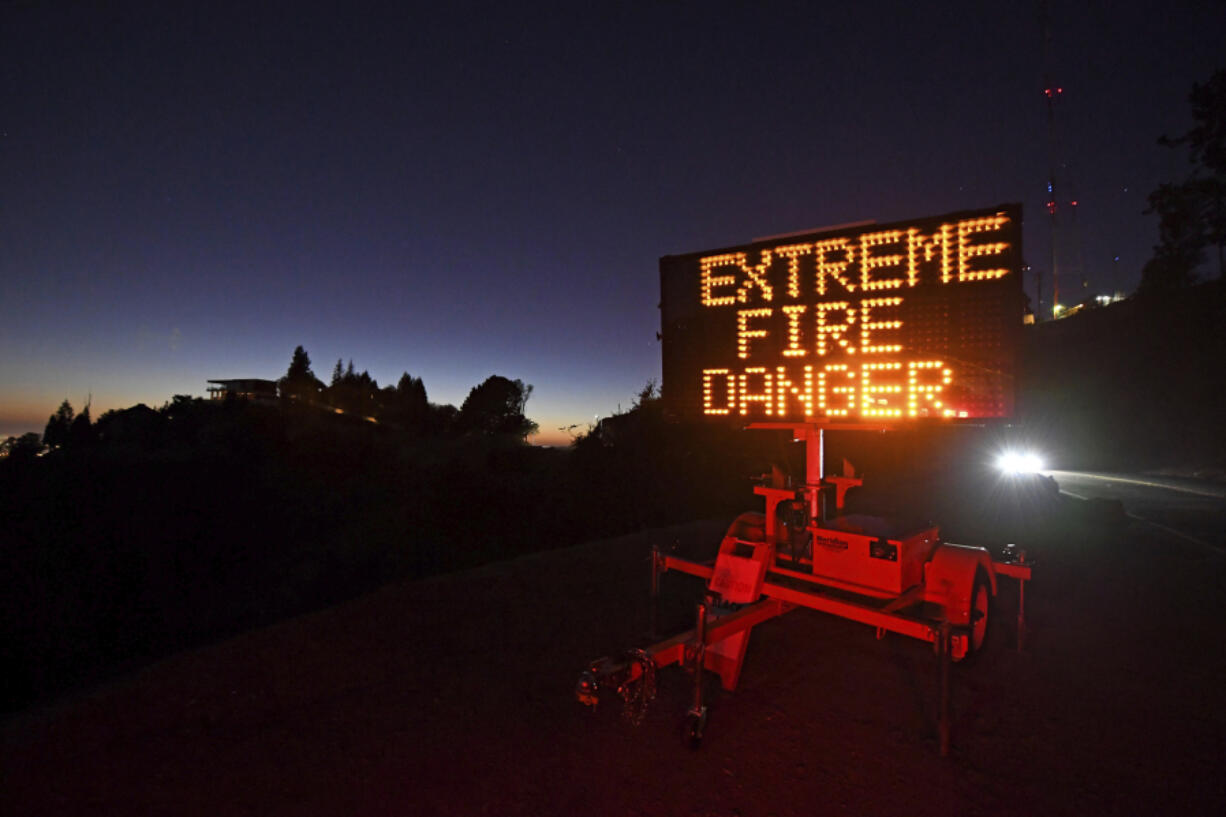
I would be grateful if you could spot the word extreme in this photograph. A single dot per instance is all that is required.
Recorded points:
(864, 324)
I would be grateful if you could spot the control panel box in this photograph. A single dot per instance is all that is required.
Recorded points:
(873, 552)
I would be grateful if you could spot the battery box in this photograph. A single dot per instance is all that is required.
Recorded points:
(873, 552)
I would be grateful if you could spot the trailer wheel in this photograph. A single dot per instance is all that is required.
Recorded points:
(981, 612)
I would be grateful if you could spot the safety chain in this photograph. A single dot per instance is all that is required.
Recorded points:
(640, 692)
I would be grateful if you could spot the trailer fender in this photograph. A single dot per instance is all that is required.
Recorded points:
(949, 579)
(739, 574)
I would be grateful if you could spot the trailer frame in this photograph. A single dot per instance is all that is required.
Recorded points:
(749, 583)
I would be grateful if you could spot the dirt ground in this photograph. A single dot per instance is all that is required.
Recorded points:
(454, 696)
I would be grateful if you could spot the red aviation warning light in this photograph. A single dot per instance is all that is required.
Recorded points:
(867, 324)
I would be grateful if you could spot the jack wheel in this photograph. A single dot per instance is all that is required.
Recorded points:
(695, 725)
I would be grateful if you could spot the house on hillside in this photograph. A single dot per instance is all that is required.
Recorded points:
(249, 389)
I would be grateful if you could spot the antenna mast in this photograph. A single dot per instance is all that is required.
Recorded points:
(1064, 232)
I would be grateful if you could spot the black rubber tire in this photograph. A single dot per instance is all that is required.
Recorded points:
(981, 614)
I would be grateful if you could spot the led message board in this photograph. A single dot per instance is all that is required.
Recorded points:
(868, 324)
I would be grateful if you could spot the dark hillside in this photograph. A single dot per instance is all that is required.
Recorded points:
(175, 527)
(1140, 383)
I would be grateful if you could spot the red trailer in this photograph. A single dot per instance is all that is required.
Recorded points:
(893, 576)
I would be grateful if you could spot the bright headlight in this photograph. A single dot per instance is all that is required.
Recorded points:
(1019, 462)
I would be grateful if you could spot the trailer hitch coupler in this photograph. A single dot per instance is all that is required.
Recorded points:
(587, 691)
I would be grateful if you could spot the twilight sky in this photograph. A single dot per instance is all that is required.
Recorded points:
(190, 190)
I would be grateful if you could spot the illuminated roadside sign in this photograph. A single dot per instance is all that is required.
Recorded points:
(866, 324)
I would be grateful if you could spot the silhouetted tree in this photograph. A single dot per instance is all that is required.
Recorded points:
(55, 435)
(368, 394)
(406, 403)
(1192, 213)
(353, 393)
(412, 394)
(412, 389)
(300, 364)
(442, 418)
(1181, 247)
(648, 397)
(81, 432)
(300, 383)
(181, 404)
(497, 407)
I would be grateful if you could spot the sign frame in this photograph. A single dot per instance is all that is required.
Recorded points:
(861, 325)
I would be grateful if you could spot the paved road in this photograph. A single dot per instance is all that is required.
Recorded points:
(1193, 510)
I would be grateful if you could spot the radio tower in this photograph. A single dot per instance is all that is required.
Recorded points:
(1061, 198)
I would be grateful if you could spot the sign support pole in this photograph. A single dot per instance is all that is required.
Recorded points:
(814, 470)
